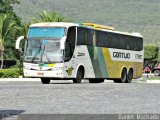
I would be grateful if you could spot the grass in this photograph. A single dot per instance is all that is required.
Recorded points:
(154, 78)
(151, 78)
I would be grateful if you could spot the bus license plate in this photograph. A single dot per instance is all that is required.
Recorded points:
(40, 73)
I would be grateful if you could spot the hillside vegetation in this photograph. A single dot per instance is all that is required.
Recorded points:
(141, 16)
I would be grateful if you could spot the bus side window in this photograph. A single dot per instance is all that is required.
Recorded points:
(127, 43)
(90, 34)
(141, 44)
(70, 42)
(101, 39)
(68, 53)
(85, 36)
(121, 42)
(133, 43)
(110, 41)
(80, 36)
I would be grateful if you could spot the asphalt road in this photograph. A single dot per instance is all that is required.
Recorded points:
(67, 98)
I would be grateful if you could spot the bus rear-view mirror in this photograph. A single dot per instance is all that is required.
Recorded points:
(18, 42)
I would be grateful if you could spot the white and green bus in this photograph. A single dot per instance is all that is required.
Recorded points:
(59, 50)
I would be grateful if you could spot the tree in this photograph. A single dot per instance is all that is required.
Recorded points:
(24, 28)
(151, 52)
(6, 25)
(151, 55)
(50, 17)
(158, 58)
(6, 7)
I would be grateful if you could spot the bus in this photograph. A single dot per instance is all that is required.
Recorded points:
(62, 50)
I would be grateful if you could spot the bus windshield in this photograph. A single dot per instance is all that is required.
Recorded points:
(43, 45)
(43, 51)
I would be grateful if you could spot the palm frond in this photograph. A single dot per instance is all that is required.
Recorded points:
(50, 17)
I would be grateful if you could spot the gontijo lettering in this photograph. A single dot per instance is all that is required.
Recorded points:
(121, 55)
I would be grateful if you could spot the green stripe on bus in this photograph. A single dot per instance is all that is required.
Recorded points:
(102, 63)
(95, 63)
(98, 62)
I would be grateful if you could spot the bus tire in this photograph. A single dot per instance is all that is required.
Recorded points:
(45, 80)
(79, 77)
(96, 80)
(123, 76)
(129, 76)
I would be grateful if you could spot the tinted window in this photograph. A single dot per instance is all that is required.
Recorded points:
(109, 39)
(84, 36)
(70, 43)
(101, 38)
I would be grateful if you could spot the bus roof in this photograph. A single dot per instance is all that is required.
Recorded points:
(54, 24)
(134, 34)
(98, 26)
(109, 29)
(87, 25)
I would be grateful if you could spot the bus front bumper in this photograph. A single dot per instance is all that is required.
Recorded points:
(41, 74)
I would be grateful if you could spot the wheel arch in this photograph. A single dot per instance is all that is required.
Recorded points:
(82, 68)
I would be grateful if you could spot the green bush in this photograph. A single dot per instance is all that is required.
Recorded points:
(151, 52)
(10, 73)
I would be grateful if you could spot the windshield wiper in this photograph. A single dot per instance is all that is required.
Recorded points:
(36, 53)
(46, 54)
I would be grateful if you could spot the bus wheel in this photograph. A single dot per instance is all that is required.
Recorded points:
(79, 77)
(96, 80)
(45, 80)
(123, 76)
(129, 76)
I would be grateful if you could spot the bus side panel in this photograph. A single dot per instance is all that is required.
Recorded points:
(111, 66)
(106, 67)
(103, 65)
(117, 63)
(83, 58)
(138, 70)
